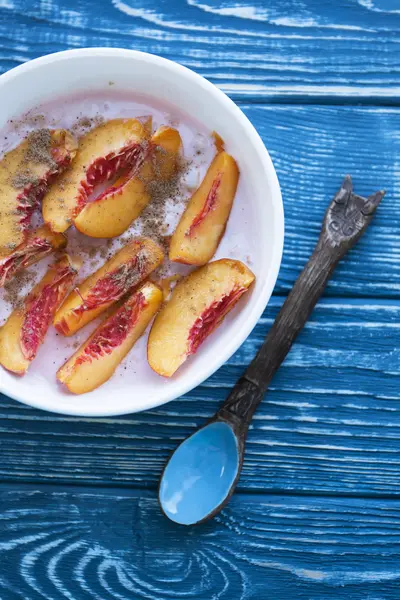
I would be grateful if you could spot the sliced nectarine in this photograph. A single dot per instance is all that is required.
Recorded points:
(40, 243)
(103, 153)
(25, 174)
(25, 329)
(203, 223)
(124, 271)
(197, 306)
(166, 147)
(111, 213)
(96, 360)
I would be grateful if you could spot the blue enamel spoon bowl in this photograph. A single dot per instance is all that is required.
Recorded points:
(202, 473)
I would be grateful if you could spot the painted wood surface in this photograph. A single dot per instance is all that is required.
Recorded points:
(253, 48)
(313, 147)
(78, 545)
(329, 424)
(317, 515)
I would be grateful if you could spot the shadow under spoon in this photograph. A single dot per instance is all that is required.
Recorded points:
(202, 473)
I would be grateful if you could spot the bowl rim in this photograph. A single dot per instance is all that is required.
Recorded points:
(175, 389)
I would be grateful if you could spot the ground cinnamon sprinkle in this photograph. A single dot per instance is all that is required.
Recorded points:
(153, 218)
(16, 290)
(38, 151)
(39, 148)
(102, 251)
(36, 120)
(23, 178)
(165, 194)
(83, 124)
(91, 251)
(29, 119)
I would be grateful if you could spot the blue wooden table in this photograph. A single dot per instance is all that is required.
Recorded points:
(317, 512)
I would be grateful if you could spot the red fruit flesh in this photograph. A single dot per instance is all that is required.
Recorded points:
(114, 189)
(39, 312)
(211, 318)
(30, 197)
(106, 168)
(114, 285)
(114, 331)
(19, 260)
(208, 205)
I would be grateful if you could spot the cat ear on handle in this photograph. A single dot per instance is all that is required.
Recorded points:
(342, 196)
(348, 216)
(373, 202)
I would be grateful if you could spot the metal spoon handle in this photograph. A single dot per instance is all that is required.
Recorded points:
(346, 219)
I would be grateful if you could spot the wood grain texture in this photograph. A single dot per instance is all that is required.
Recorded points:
(83, 546)
(332, 409)
(312, 148)
(346, 220)
(280, 49)
(329, 424)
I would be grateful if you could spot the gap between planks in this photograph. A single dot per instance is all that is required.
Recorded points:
(138, 492)
(316, 100)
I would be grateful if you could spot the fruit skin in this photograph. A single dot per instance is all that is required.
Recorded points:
(25, 174)
(197, 306)
(98, 357)
(111, 213)
(103, 152)
(40, 243)
(24, 331)
(203, 223)
(124, 271)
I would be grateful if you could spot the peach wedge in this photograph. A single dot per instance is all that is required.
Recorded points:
(105, 151)
(166, 146)
(96, 360)
(112, 212)
(25, 174)
(40, 243)
(25, 329)
(197, 306)
(203, 223)
(124, 271)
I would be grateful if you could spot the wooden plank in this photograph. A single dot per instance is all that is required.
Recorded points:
(330, 423)
(313, 147)
(280, 49)
(81, 545)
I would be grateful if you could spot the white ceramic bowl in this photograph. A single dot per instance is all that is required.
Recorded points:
(91, 69)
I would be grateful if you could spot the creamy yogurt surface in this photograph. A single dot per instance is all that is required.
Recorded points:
(79, 114)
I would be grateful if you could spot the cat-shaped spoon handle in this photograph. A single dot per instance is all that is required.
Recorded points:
(346, 219)
(202, 473)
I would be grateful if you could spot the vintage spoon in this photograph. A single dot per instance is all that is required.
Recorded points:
(202, 473)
